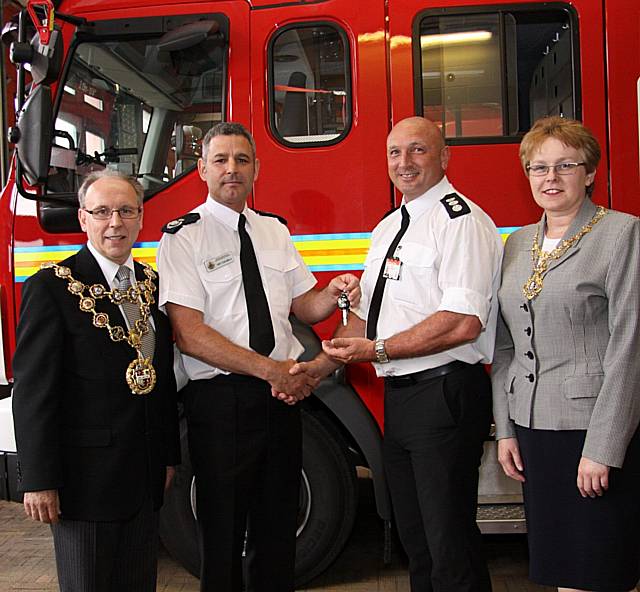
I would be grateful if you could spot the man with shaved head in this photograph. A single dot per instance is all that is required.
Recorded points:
(427, 323)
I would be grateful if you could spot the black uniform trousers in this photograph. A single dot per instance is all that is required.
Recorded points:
(119, 556)
(433, 443)
(246, 452)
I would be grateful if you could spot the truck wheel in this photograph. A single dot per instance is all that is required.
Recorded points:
(328, 497)
(327, 509)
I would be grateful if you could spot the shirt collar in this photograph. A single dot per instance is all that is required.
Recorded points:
(418, 206)
(224, 214)
(110, 268)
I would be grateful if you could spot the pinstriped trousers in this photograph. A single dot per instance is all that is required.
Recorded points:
(117, 556)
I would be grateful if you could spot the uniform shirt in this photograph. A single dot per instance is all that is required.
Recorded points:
(200, 269)
(448, 264)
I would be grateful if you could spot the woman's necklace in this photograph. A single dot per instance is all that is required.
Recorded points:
(533, 286)
(140, 374)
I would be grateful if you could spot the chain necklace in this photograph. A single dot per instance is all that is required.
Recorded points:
(140, 374)
(533, 286)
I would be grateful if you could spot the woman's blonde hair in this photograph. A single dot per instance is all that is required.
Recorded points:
(569, 131)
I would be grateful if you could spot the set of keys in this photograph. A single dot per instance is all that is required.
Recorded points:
(343, 305)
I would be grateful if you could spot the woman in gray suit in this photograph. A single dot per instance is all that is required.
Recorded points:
(566, 373)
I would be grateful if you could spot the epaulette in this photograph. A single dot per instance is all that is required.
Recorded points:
(175, 225)
(389, 213)
(455, 205)
(271, 215)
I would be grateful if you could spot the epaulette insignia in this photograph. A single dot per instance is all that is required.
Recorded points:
(389, 213)
(455, 205)
(270, 215)
(175, 225)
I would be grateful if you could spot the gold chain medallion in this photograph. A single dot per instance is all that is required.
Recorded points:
(533, 286)
(140, 374)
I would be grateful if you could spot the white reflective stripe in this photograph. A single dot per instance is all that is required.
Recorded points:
(7, 433)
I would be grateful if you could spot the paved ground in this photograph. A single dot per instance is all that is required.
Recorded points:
(26, 559)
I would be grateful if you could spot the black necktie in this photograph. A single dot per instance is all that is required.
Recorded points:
(261, 337)
(378, 291)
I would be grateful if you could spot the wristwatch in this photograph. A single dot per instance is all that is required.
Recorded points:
(381, 353)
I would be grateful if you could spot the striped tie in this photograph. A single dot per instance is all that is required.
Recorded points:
(132, 312)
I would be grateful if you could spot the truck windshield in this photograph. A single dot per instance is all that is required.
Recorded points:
(140, 106)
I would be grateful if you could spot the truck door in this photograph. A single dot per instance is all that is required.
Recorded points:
(320, 116)
(486, 72)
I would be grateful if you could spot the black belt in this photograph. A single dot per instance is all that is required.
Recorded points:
(416, 377)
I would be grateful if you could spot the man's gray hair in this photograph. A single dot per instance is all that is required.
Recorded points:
(91, 178)
(227, 128)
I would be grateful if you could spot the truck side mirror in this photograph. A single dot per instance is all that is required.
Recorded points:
(32, 135)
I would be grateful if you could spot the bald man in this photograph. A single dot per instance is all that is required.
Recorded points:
(427, 323)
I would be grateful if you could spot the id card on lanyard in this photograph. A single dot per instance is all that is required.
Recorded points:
(392, 266)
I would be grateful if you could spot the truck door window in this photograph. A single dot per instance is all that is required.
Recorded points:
(309, 82)
(140, 104)
(490, 74)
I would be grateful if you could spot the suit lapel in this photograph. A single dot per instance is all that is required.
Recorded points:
(584, 216)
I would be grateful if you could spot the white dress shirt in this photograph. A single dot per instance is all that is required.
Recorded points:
(200, 268)
(450, 264)
(110, 269)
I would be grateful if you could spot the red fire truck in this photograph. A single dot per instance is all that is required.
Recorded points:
(135, 84)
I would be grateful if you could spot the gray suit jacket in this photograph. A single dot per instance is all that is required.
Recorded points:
(568, 359)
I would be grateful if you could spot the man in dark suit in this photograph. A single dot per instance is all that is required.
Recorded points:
(94, 399)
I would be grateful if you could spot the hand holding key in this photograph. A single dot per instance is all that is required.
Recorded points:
(345, 286)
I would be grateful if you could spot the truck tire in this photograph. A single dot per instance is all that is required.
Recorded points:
(328, 502)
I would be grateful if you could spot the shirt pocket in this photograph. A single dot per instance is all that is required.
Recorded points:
(223, 289)
(279, 268)
(418, 278)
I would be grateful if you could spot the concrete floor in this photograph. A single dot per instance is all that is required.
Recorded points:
(26, 559)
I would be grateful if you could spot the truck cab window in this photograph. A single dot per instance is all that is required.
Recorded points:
(491, 74)
(310, 85)
(140, 105)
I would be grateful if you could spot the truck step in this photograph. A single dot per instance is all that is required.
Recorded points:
(501, 518)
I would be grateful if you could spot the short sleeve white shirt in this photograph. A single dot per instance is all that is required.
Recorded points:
(199, 268)
(448, 263)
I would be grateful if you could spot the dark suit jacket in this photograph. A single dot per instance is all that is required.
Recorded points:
(79, 429)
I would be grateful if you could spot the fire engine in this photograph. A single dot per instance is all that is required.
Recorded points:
(135, 84)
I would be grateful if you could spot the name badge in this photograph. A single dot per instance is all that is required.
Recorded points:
(392, 268)
(218, 262)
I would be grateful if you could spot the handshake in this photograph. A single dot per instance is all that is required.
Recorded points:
(293, 381)
(296, 380)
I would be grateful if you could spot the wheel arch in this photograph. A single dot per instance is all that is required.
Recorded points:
(351, 413)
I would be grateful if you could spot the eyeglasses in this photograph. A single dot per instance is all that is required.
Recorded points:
(562, 168)
(125, 212)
